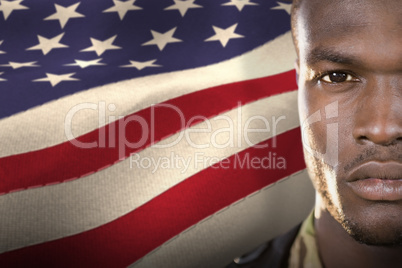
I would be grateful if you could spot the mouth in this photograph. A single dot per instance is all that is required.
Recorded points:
(377, 181)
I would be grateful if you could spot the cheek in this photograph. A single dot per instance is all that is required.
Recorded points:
(313, 121)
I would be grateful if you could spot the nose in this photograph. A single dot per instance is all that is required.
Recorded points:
(378, 118)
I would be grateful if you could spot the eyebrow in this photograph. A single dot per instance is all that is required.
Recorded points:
(329, 54)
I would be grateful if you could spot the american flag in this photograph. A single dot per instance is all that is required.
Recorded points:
(146, 133)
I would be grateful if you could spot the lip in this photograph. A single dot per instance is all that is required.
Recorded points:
(377, 181)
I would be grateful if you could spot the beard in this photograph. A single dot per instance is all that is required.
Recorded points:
(369, 235)
(374, 230)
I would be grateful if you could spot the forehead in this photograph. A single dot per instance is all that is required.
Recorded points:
(323, 15)
(354, 26)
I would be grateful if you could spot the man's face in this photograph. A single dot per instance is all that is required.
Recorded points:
(350, 71)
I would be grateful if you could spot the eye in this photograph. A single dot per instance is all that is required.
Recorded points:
(337, 77)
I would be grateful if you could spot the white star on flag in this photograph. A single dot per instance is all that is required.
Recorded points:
(101, 46)
(84, 64)
(2, 79)
(141, 64)
(46, 45)
(183, 6)
(55, 79)
(283, 6)
(17, 65)
(122, 7)
(162, 39)
(63, 14)
(2, 52)
(224, 35)
(7, 7)
(240, 4)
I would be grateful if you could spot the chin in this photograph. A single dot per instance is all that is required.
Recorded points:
(384, 233)
(374, 223)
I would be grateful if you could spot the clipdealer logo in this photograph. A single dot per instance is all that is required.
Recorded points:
(145, 128)
(331, 154)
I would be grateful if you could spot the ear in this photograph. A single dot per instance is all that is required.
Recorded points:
(297, 67)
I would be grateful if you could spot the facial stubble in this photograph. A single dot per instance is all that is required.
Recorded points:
(363, 233)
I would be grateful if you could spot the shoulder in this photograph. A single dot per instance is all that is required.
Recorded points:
(273, 254)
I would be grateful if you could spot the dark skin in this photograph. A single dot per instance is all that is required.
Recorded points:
(350, 59)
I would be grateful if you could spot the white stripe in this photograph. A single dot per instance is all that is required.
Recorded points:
(43, 126)
(237, 229)
(51, 212)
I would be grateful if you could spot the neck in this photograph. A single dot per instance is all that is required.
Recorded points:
(338, 249)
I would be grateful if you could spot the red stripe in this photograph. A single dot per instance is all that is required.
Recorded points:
(127, 239)
(66, 161)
